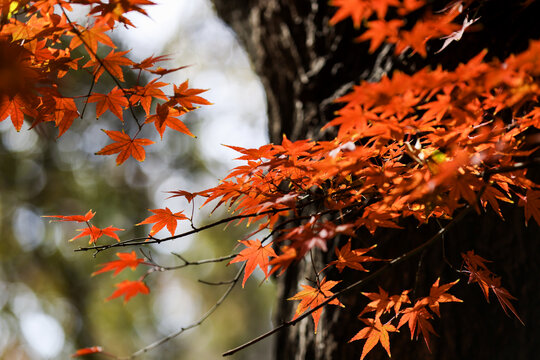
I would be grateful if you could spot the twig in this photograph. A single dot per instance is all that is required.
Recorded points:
(137, 241)
(195, 324)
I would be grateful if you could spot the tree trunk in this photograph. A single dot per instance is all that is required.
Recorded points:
(305, 65)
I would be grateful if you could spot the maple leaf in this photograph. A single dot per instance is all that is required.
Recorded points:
(382, 303)
(87, 351)
(162, 218)
(113, 63)
(13, 107)
(126, 260)
(186, 97)
(255, 255)
(65, 111)
(418, 318)
(352, 259)
(356, 9)
(145, 94)
(283, 261)
(150, 62)
(129, 289)
(95, 233)
(78, 218)
(379, 30)
(125, 146)
(504, 297)
(479, 273)
(438, 294)
(115, 101)
(90, 38)
(311, 297)
(187, 195)
(531, 204)
(374, 333)
(167, 116)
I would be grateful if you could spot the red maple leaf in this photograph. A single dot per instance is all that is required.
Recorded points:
(95, 233)
(129, 289)
(162, 218)
(115, 101)
(255, 255)
(312, 297)
(125, 146)
(78, 218)
(126, 260)
(374, 333)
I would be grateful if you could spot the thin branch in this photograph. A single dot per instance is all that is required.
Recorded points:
(368, 278)
(193, 325)
(215, 282)
(137, 241)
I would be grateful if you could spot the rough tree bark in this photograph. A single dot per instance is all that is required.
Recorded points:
(305, 64)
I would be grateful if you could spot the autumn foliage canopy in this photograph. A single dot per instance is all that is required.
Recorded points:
(433, 145)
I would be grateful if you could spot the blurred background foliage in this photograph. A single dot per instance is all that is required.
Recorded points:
(49, 304)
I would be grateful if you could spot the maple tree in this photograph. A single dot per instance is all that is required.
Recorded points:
(432, 146)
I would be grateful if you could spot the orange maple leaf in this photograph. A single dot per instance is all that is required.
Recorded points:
(531, 204)
(167, 116)
(182, 193)
(87, 351)
(283, 261)
(382, 303)
(12, 107)
(162, 218)
(418, 318)
(145, 94)
(255, 255)
(113, 63)
(125, 146)
(311, 297)
(78, 218)
(129, 289)
(186, 97)
(90, 38)
(356, 9)
(438, 294)
(115, 101)
(374, 333)
(65, 111)
(352, 258)
(126, 260)
(95, 233)
(379, 30)
(479, 273)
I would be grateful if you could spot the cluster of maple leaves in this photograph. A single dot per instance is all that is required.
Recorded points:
(38, 41)
(425, 145)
